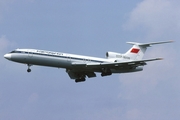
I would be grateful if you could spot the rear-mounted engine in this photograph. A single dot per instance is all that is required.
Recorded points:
(113, 55)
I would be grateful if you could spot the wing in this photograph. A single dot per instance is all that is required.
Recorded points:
(134, 63)
(81, 70)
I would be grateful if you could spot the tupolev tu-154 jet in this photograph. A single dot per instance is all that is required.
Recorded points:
(79, 67)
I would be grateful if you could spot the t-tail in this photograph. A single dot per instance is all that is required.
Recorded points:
(138, 50)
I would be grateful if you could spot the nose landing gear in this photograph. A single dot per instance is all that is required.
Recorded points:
(29, 70)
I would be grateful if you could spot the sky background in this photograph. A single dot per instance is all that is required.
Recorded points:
(90, 27)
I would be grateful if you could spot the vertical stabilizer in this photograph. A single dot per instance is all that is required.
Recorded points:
(138, 50)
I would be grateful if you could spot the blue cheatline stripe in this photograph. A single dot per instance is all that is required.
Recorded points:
(74, 58)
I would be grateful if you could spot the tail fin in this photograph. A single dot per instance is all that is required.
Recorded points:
(138, 50)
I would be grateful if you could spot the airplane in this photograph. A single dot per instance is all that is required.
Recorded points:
(79, 67)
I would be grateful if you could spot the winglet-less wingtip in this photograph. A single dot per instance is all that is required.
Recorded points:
(171, 41)
(159, 58)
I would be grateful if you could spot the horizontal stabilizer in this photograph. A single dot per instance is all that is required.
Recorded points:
(149, 44)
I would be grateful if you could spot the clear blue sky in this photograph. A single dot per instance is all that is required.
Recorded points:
(90, 27)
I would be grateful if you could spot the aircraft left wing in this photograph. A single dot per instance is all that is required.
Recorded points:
(82, 69)
(115, 64)
(129, 63)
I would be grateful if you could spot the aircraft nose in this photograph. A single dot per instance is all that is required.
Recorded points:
(7, 56)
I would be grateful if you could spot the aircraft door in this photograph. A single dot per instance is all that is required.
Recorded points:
(30, 54)
(68, 58)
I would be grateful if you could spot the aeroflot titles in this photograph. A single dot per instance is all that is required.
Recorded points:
(49, 52)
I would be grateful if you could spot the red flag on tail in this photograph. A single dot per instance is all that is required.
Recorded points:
(135, 50)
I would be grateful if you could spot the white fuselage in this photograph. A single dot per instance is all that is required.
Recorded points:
(56, 59)
(49, 58)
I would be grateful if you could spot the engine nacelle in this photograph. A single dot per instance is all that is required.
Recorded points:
(113, 55)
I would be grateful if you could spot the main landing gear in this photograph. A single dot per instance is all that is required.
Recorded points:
(29, 70)
(80, 80)
(106, 72)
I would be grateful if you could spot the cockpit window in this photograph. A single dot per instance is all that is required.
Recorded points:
(15, 51)
(12, 52)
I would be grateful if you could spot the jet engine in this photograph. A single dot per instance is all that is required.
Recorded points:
(113, 55)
